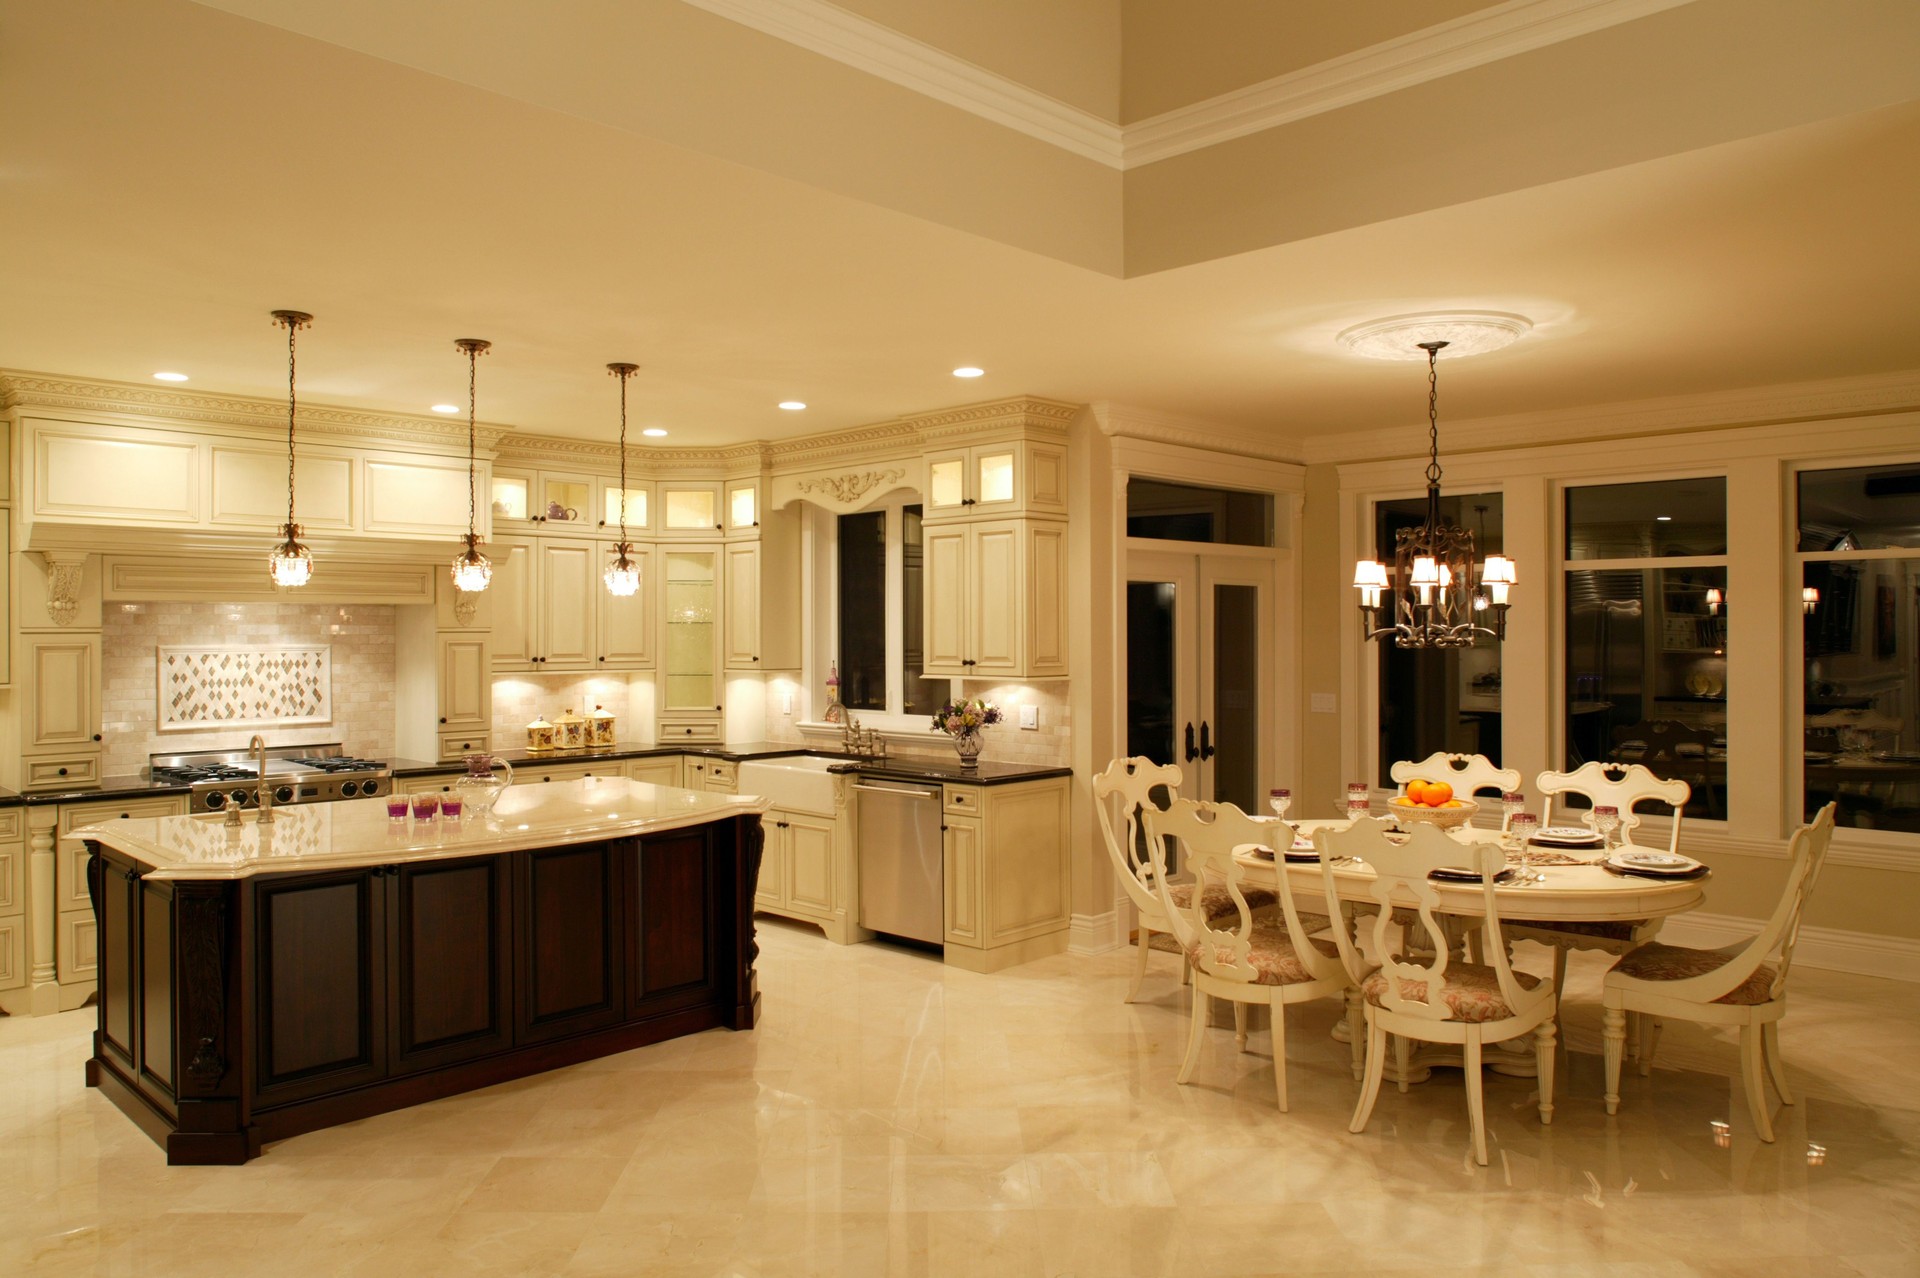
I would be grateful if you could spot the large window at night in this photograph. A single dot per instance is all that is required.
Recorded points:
(880, 614)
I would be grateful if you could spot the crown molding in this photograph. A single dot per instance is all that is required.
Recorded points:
(539, 450)
(26, 390)
(1023, 412)
(1126, 421)
(1448, 48)
(880, 51)
(1433, 53)
(1868, 396)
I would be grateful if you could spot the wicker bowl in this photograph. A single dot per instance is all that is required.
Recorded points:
(1405, 809)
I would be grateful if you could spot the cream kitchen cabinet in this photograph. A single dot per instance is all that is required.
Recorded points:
(552, 612)
(741, 650)
(806, 873)
(556, 501)
(717, 776)
(658, 770)
(691, 611)
(1016, 477)
(742, 506)
(762, 614)
(1008, 878)
(606, 507)
(61, 724)
(13, 907)
(626, 622)
(995, 599)
(689, 508)
(75, 937)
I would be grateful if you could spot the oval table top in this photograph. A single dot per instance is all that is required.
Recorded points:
(1567, 893)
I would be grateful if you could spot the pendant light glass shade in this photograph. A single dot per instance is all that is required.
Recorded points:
(472, 570)
(290, 563)
(623, 574)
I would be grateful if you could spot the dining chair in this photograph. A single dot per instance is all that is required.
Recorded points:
(1121, 794)
(1428, 995)
(1468, 774)
(1741, 985)
(1622, 786)
(1237, 955)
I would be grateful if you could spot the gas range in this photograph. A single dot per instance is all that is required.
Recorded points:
(222, 779)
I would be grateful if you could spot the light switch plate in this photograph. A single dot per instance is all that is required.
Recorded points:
(786, 703)
(1030, 717)
(1325, 703)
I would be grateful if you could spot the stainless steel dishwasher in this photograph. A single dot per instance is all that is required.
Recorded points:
(902, 885)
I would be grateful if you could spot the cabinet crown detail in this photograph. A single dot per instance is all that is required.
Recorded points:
(852, 486)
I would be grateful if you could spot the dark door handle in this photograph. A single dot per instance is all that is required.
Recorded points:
(1192, 753)
(1206, 740)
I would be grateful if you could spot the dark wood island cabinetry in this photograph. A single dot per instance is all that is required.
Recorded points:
(262, 982)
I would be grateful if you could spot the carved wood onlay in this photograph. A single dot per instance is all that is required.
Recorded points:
(466, 605)
(63, 586)
(44, 390)
(848, 489)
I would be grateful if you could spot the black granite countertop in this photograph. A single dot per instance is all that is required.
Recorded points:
(133, 786)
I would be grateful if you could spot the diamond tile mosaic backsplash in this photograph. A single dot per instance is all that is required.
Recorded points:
(359, 640)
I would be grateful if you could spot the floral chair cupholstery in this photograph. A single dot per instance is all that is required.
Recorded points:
(1421, 992)
(1237, 955)
(1740, 985)
(1121, 794)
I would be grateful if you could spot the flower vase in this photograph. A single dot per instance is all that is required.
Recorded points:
(968, 744)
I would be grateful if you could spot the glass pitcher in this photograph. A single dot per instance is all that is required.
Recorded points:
(481, 788)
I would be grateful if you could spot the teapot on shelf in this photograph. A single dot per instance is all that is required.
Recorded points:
(556, 511)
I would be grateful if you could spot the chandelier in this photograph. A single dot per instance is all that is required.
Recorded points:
(1435, 597)
(291, 563)
(623, 574)
(471, 569)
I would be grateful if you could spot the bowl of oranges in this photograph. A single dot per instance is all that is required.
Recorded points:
(1432, 802)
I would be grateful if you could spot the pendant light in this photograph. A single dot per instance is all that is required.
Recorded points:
(291, 563)
(623, 575)
(1433, 599)
(471, 569)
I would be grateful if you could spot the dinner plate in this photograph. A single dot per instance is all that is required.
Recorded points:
(1573, 836)
(1654, 862)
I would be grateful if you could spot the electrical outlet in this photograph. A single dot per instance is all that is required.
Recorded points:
(786, 703)
(1030, 718)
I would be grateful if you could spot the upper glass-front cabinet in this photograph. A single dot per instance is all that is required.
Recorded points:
(689, 606)
(1013, 478)
(689, 509)
(743, 505)
(639, 507)
(525, 498)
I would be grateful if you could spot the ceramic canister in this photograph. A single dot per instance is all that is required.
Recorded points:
(600, 729)
(570, 731)
(540, 734)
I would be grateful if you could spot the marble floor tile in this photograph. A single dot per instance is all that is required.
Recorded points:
(894, 1116)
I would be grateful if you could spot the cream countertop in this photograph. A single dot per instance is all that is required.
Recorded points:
(321, 836)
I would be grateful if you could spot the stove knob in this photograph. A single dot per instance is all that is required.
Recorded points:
(349, 788)
(370, 787)
(240, 798)
(214, 800)
(283, 794)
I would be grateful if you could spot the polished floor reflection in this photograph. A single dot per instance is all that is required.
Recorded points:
(893, 1116)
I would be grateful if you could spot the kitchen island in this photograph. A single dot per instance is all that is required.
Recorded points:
(262, 980)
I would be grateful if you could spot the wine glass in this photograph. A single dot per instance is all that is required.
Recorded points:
(1523, 826)
(1512, 803)
(1359, 800)
(1606, 819)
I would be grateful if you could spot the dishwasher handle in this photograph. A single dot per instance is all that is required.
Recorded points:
(904, 791)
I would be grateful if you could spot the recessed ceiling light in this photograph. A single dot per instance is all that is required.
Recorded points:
(969, 371)
(1663, 519)
(446, 408)
(653, 432)
(169, 377)
(792, 405)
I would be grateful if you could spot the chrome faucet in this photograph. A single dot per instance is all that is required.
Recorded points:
(262, 792)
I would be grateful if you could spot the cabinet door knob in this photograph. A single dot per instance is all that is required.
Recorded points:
(96, 736)
(443, 718)
(63, 772)
(603, 658)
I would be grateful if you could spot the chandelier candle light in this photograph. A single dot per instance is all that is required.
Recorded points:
(1435, 597)
(291, 563)
(471, 569)
(623, 574)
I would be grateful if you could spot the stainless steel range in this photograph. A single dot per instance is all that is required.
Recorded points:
(223, 779)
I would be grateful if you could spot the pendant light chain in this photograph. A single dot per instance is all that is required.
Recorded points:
(623, 374)
(622, 574)
(472, 570)
(1433, 412)
(291, 563)
(473, 365)
(291, 330)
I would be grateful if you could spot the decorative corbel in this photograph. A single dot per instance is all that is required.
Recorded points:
(466, 603)
(63, 585)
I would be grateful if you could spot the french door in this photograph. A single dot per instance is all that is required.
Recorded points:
(1198, 646)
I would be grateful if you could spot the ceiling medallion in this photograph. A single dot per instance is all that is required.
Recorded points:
(1459, 332)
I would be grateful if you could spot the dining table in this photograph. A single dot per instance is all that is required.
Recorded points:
(1557, 893)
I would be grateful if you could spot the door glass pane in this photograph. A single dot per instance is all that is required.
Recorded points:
(1647, 675)
(1183, 512)
(863, 610)
(742, 508)
(996, 477)
(1448, 699)
(1236, 695)
(1862, 732)
(509, 497)
(566, 501)
(1651, 520)
(689, 508)
(922, 695)
(636, 507)
(1150, 670)
(945, 481)
(689, 577)
(1860, 508)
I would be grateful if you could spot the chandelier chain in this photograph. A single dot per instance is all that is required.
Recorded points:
(1433, 412)
(473, 365)
(292, 328)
